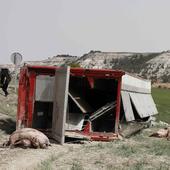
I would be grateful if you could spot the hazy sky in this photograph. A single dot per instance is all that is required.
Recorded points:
(43, 28)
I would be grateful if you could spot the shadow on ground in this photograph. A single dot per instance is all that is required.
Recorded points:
(2, 94)
(7, 125)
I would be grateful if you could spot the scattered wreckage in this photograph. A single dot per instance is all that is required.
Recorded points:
(27, 138)
(81, 103)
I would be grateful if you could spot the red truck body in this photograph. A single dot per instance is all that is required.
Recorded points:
(27, 87)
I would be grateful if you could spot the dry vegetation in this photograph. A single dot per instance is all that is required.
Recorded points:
(137, 152)
(161, 85)
(8, 105)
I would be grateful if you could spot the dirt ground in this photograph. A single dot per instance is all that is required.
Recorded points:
(18, 158)
(137, 152)
(88, 156)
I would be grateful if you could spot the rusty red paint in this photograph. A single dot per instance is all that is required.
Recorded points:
(22, 92)
(103, 136)
(87, 128)
(91, 81)
(96, 73)
(32, 77)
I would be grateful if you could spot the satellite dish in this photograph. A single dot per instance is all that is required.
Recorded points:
(16, 58)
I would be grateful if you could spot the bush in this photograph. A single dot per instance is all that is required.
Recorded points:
(74, 64)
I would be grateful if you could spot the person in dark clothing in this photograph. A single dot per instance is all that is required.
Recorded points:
(5, 79)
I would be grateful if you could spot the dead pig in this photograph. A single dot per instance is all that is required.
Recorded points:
(162, 133)
(24, 143)
(28, 137)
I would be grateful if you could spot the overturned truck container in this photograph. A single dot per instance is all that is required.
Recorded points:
(73, 102)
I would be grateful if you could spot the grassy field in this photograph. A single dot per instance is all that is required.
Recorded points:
(162, 100)
(8, 105)
(136, 153)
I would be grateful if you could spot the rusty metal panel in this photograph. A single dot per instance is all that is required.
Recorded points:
(61, 86)
(129, 115)
(44, 88)
(144, 104)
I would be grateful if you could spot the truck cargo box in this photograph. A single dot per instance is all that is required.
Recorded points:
(59, 100)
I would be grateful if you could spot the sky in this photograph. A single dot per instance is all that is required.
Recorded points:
(39, 29)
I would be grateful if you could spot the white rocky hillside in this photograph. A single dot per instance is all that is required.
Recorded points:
(154, 66)
(158, 68)
(58, 60)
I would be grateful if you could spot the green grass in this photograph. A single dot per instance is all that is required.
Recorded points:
(162, 100)
(137, 153)
(46, 164)
(76, 165)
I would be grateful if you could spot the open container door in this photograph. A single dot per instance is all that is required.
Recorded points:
(137, 99)
(128, 111)
(61, 85)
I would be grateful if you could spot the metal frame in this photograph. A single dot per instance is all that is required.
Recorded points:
(26, 93)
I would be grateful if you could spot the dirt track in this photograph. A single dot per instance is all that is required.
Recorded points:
(19, 159)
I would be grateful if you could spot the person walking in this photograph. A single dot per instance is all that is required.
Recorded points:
(5, 79)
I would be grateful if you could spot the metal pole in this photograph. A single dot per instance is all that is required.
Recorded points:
(15, 78)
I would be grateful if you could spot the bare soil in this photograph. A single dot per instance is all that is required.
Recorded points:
(161, 85)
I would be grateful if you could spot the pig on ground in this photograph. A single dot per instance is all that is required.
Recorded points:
(162, 133)
(24, 143)
(28, 137)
